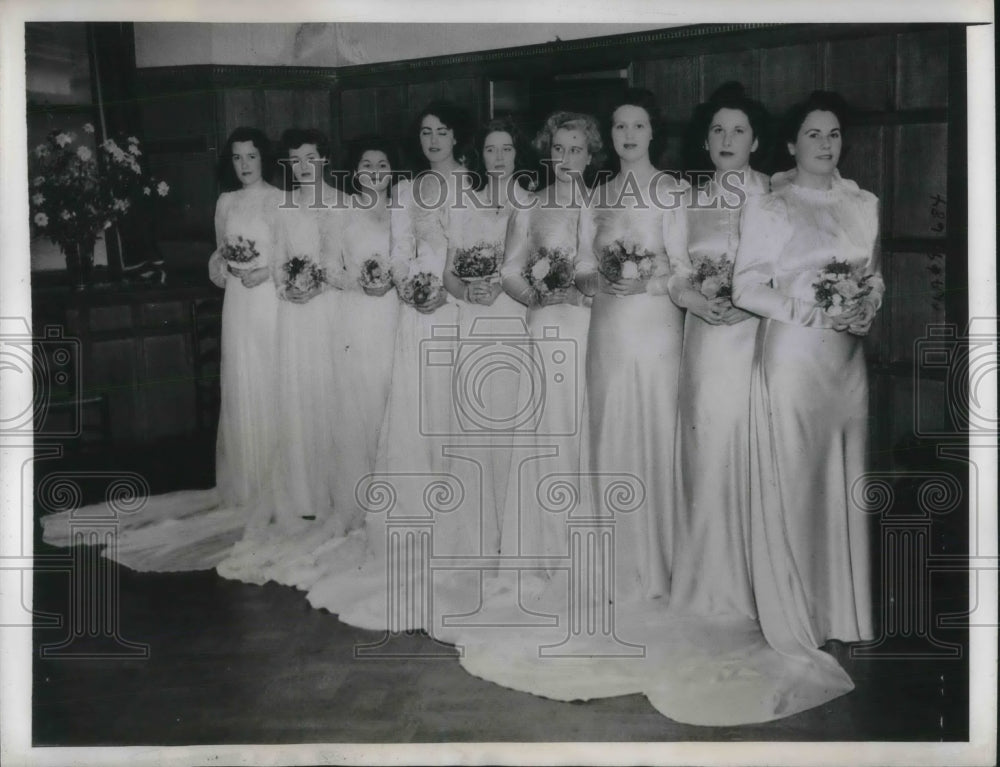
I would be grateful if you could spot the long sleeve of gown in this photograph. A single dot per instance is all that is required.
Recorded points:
(216, 264)
(332, 222)
(402, 231)
(673, 274)
(764, 232)
(586, 258)
(431, 227)
(875, 262)
(516, 258)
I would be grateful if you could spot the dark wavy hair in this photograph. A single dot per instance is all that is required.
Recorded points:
(730, 95)
(227, 174)
(523, 156)
(640, 97)
(818, 101)
(587, 125)
(452, 116)
(293, 138)
(368, 143)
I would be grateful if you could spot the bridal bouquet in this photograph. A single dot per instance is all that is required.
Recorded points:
(626, 260)
(479, 262)
(841, 287)
(420, 288)
(713, 278)
(548, 270)
(300, 277)
(375, 273)
(241, 253)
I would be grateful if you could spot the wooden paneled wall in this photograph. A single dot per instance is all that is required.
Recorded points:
(907, 146)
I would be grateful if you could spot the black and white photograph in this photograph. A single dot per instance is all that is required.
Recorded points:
(498, 383)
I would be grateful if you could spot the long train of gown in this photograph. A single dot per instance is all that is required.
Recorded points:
(579, 640)
(414, 500)
(194, 529)
(573, 642)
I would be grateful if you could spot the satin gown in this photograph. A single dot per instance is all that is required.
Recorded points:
(195, 529)
(711, 568)
(247, 420)
(297, 511)
(362, 332)
(633, 359)
(487, 376)
(810, 546)
(545, 485)
(414, 500)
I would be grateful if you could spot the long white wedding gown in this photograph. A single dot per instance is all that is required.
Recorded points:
(195, 529)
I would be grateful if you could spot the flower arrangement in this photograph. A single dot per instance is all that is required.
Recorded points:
(841, 287)
(478, 262)
(548, 270)
(375, 274)
(300, 276)
(626, 260)
(240, 253)
(713, 277)
(420, 288)
(77, 193)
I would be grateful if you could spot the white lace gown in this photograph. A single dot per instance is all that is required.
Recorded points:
(194, 529)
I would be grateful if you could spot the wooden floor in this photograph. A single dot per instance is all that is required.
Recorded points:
(234, 663)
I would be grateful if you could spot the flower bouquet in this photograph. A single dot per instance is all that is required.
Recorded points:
(375, 274)
(479, 262)
(841, 287)
(79, 189)
(300, 277)
(240, 253)
(625, 260)
(420, 288)
(548, 270)
(713, 278)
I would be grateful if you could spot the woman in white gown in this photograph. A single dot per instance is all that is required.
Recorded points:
(542, 243)
(298, 509)
(193, 529)
(364, 329)
(711, 570)
(634, 347)
(414, 495)
(705, 669)
(486, 375)
(809, 393)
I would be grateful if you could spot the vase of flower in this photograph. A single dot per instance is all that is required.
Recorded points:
(79, 263)
(81, 188)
